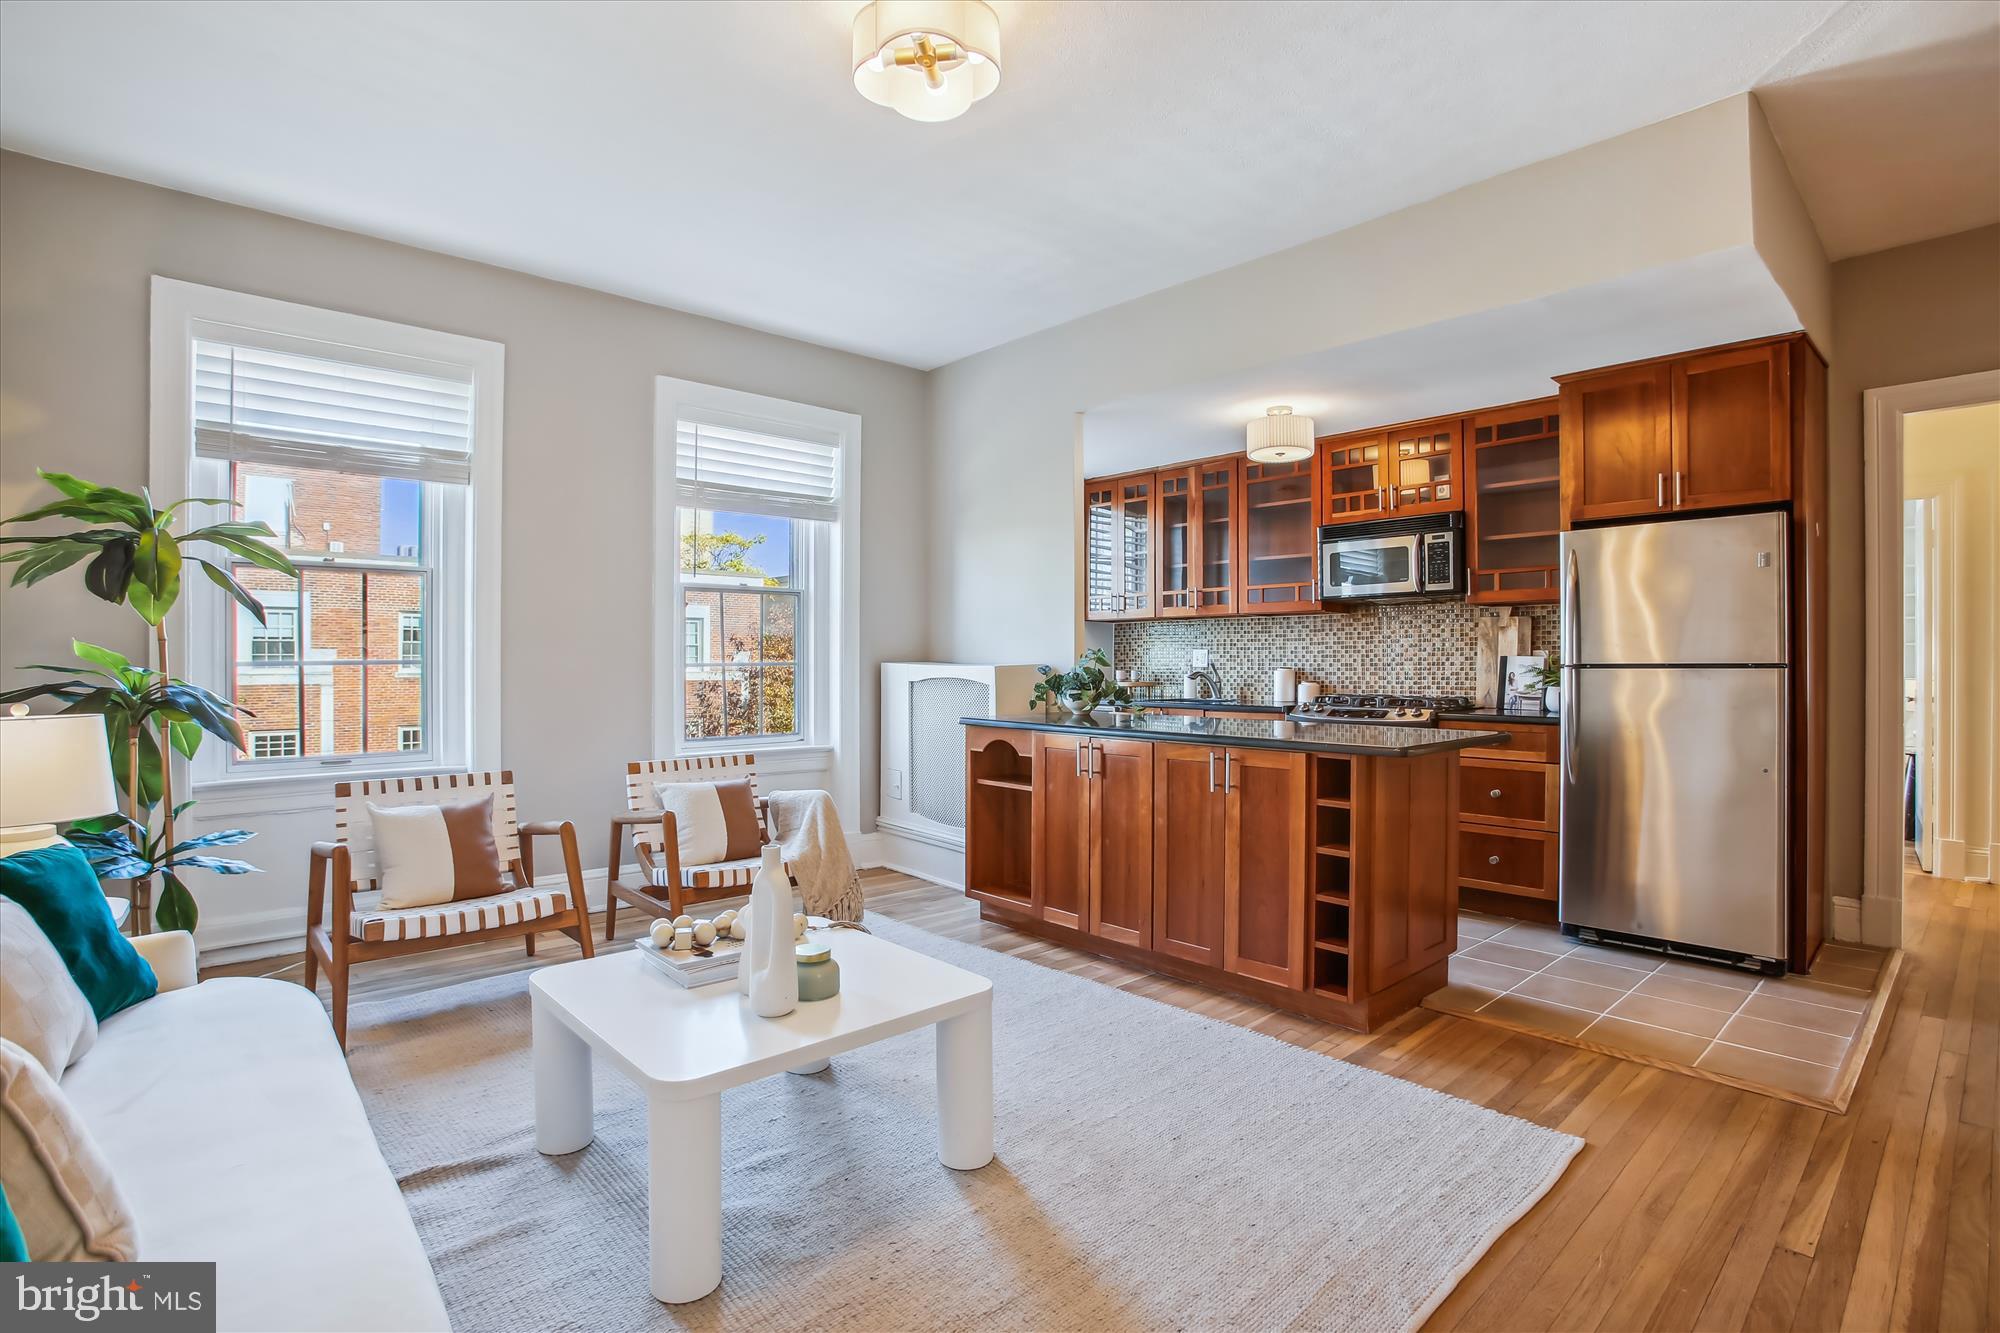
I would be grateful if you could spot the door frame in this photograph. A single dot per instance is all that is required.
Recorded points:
(1877, 916)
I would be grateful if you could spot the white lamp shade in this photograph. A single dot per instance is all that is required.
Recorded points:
(54, 769)
(1280, 437)
(886, 26)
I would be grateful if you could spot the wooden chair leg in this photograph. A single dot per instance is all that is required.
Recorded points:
(612, 860)
(336, 975)
(312, 963)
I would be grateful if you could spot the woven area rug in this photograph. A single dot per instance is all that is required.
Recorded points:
(1155, 1170)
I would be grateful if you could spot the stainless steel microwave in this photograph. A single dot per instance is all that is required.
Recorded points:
(1393, 559)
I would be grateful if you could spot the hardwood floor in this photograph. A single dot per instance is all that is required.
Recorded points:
(1694, 1205)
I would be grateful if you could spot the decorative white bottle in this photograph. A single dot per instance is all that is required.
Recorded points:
(774, 969)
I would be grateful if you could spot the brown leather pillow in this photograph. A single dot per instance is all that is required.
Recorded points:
(475, 858)
(739, 816)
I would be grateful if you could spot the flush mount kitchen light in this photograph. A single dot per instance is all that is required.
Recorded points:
(1280, 437)
(926, 59)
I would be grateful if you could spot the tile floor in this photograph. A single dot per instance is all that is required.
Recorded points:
(1792, 1036)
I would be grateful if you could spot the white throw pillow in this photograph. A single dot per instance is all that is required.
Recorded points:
(412, 855)
(701, 830)
(57, 1181)
(41, 1009)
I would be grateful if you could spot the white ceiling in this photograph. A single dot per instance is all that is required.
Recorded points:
(715, 157)
(1506, 355)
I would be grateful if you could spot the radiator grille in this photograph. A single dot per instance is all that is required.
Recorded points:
(937, 744)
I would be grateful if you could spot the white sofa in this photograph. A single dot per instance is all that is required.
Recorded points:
(229, 1120)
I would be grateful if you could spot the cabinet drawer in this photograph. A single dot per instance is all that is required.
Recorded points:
(1535, 741)
(1515, 795)
(1507, 861)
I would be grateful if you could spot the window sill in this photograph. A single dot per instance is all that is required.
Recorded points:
(792, 758)
(297, 781)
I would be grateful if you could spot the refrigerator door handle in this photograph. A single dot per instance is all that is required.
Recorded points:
(1571, 631)
(1566, 722)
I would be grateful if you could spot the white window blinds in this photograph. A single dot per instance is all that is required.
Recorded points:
(260, 404)
(739, 467)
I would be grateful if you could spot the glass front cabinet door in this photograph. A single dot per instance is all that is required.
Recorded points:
(1280, 538)
(1423, 469)
(1357, 476)
(1120, 527)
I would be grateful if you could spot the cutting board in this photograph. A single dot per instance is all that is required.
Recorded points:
(1501, 634)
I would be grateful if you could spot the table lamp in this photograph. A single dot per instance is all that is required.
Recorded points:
(52, 769)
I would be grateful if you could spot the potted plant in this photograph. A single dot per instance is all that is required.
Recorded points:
(1549, 676)
(136, 559)
(1083, 687)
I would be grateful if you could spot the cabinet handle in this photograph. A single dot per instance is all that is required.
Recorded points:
(1097, 760)
(1495, 793)
(1227, 760)
(1493, 860)
(1211, 772)
(1081, 746)
(1677, 490)
(1660, 491)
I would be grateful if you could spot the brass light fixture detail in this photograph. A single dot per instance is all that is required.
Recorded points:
(926, 59)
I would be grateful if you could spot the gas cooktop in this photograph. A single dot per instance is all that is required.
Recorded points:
(1413, 710)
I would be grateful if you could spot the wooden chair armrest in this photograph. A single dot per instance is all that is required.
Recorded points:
(637, 817)
(543, 828)
(329, 862)
(572, 863)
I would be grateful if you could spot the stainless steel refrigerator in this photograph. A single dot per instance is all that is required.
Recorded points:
(1675, 725)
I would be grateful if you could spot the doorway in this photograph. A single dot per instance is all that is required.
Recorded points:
(1932, 454)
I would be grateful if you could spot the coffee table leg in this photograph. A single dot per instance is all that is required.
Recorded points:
(562, 1085)
(965, 1089)
(684, 1196)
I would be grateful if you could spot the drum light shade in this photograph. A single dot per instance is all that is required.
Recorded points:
(1280, 437)
(926, 59)
(52, 769)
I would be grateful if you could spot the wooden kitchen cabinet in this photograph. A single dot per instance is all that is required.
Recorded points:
(1229, 859)
(1681, 434)
(1218, 496)
(1280, 557)
(1423, 471)
(1355, 476)
(1121, 529)
(1508, 843)
(1732, 428)
(1179, 538)
(1617, 442)
(1093, 836)
(1513, 503)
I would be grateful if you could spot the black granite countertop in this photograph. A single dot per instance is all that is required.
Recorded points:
(1360, 738)
(1501, 715)
(1214, 706)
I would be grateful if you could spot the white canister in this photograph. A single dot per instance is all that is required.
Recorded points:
(1284, 685)
(1308, 691)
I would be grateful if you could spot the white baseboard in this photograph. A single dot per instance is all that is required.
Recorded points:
(1952, 858)
(1979, 864)
(925, 860)
(1882, 921)
(1845, 924)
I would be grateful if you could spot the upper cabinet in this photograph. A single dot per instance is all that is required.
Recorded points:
(1423, 468)
(1178, 539)
(1121, 525)
(1706, 431)
(1218, 497)
(1512, 507)
(1280, 538)
(1356, 468)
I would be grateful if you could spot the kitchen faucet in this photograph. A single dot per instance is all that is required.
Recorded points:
(1209, 685)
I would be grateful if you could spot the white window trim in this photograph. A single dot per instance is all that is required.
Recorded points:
(178, 308)
(831, 614)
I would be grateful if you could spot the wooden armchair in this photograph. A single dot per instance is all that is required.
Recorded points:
(359, 929)
(665, 887)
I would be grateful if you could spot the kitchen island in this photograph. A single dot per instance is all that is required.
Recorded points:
(1309, 865)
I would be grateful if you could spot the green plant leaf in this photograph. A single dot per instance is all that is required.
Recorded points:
(156, 576)
(175, 909)
(214, 865)
(221, 579)
(185, 737)
(36, 563)
(104, 657)
(228, 837)
(240, 539)
(108, 576)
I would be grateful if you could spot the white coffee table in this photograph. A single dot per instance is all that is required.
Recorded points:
(684, 1047)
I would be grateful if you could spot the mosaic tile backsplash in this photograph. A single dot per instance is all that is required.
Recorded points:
(1419, 648)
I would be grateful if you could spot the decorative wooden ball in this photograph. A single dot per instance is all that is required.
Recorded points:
(683, 920)
(704, 932)
(739, 929)
(798, 925)
(662, 933)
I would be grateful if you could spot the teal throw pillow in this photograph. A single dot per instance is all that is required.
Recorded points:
(13, 1245)
(60, 890)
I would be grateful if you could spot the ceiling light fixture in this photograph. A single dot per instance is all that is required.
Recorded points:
(1280, 437)
(926, 59)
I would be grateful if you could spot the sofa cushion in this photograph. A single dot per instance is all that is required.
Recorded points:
(228, 1115)
(429, 854)
(41, 1010)
(60, 890)
(373, 922)
(59, 1186)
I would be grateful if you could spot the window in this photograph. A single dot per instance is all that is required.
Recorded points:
(752, 523)
(274, 744)
(371, 452)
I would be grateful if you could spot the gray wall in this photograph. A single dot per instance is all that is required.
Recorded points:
(76, 252)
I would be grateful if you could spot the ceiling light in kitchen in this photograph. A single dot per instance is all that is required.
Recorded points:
(926, 59)
(1280, 437)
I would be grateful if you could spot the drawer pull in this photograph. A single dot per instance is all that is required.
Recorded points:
(1495, 793)
(1493, 860)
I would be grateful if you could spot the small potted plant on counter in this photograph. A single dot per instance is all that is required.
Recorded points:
(1549, 675)
(1081, 688)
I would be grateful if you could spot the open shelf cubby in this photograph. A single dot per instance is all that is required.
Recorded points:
(1332, 913)
(999, 821)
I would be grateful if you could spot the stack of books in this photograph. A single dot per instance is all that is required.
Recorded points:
(702, 966)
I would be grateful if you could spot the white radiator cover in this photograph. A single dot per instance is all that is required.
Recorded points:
(923, 744)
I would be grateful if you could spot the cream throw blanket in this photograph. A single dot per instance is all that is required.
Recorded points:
(807, 830)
